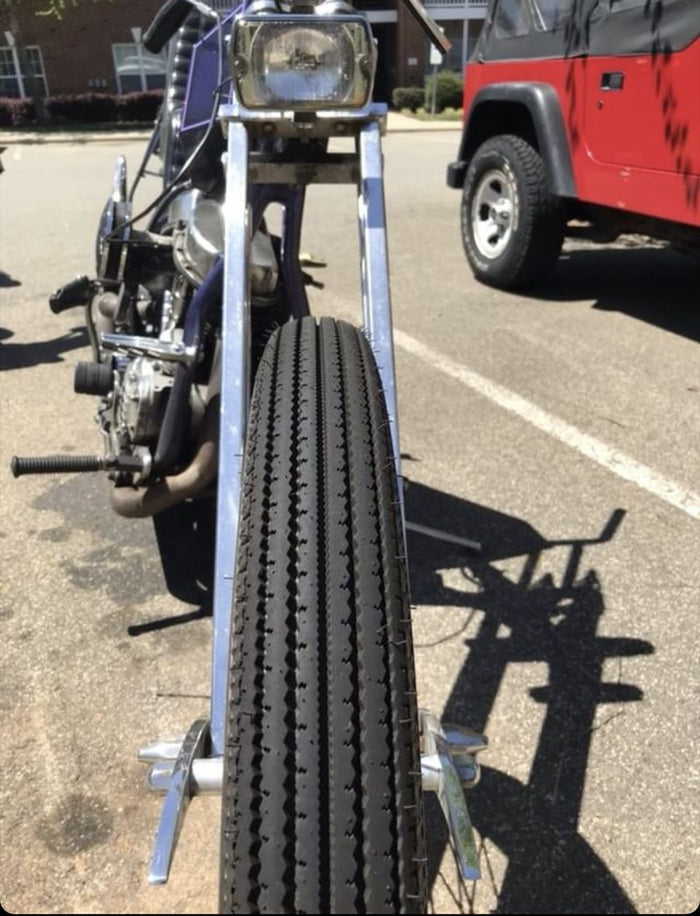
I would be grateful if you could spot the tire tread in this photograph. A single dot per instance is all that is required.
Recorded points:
(322, 807)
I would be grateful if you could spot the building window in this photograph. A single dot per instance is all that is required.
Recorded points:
(136, 69)
(15, 78)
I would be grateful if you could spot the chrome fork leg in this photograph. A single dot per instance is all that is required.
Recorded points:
(178, 793)
(374, 266)
(448, 761)
(448, 766)
(235, 348)
(185, 767)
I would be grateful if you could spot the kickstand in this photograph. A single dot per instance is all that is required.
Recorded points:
(473, 546)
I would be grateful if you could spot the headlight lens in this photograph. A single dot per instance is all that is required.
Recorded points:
(302, 63)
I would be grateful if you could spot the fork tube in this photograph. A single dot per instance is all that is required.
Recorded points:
(376, 294)
(235, 348)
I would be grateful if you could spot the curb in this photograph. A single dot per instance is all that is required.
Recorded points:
(440, 127)
(396, 124)
(40, 139)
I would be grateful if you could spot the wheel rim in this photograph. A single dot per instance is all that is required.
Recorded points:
(493, 213)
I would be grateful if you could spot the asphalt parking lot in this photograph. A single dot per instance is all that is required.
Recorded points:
(560, 430)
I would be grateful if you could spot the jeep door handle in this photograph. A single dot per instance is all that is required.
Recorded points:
(612, 81)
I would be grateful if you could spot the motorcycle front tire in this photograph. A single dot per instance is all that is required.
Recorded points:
(322, 808)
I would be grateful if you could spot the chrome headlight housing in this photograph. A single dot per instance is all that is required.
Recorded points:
(303, 62)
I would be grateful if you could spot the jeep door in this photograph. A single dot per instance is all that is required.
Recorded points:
(642, 106)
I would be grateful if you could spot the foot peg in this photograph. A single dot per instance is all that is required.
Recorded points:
(448, 766)
(77, 292)
(93, 378)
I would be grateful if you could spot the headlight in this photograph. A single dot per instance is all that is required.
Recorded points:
(302, 63)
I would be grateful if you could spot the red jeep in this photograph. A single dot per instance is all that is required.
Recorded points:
(581, 117)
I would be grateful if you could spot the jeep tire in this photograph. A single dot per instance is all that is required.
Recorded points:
(512, 227)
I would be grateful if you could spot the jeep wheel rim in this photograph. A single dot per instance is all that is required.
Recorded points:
(492, 211)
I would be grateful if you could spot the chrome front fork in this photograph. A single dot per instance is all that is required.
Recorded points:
(180, 771)
(189, 765)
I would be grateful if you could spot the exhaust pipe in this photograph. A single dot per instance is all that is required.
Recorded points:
(142, 502)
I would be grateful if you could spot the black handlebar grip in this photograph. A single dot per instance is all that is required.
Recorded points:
(56, 464)
(166, 22)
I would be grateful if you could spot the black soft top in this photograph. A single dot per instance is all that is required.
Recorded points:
(522, 29)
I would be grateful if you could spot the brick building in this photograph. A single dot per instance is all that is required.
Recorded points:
(404, 52)
(96, 45)
(91, 47)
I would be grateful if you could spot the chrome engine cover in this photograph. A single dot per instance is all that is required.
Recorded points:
(130, 415)
(198, 240)
(140, 401)
(198, 236)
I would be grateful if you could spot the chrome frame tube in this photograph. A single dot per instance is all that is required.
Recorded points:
(293, 214)
(235, 333)
(291, 198)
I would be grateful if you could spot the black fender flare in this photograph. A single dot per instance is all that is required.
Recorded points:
(542, 103)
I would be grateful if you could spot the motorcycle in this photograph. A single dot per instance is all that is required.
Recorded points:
(265, 446)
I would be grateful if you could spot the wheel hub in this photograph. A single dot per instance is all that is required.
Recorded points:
(492, 213)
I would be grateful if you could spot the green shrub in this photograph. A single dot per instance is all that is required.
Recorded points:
(410, 97)
(139, 106)
(449, 90)
(84, 108)
(87, 107)
(16, 112)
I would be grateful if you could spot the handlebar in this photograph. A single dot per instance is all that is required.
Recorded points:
(173, 13)
(165, 24)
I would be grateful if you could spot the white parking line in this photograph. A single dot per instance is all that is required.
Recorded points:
(623, 465)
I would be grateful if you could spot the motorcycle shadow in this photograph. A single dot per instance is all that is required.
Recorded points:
(7, 281)
(550, 866)
(24, 355)
(185, 538)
